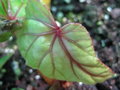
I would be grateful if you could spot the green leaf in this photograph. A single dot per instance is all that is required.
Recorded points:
(16, 9)
(3, 8)
(4, 36)
(17, 89)
(4, 59)
(32, 28)
(63, 53)
(37, 11)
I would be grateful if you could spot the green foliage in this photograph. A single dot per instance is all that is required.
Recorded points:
(9, 16)
(3, 8)
(17, 89)
(63, 53)
(18, 6)
(43, 15)
(4, 36)
(4, 59)
(16, 9)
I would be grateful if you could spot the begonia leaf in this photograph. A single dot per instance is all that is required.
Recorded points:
(62, 53)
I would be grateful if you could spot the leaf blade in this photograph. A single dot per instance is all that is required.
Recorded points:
(42, 15)
(68, 55)
(65, 60)
(5, 36)
(4, 59)
(30, 27)
(3, 8)
(18, 8)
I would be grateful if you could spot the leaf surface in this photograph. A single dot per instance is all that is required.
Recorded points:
(4, 59)
(38, 12)
(18, 7)
(3, 8)
(4, 36)
(10, 9)
(63, 53)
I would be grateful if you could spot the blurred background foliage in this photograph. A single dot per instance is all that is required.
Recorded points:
(102, 20)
